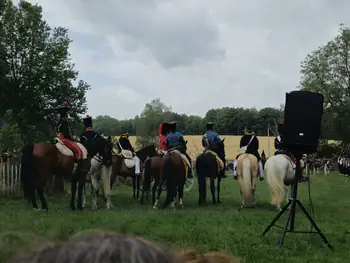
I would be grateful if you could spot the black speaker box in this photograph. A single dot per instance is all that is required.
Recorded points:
(302, 121)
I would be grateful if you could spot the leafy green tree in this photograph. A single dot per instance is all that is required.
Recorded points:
(327, 71)
(153, 114)
(41, 75)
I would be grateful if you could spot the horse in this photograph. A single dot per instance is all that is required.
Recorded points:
(207, 165)
(280, 173)
(126, 167)
(247, 168)
(174, 172)
(101, 169)
(41, 160)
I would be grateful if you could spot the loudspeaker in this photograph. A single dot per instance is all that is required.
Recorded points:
(302, 121)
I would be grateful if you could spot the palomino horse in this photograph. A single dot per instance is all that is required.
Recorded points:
(209, 164)
(126, 167)
(101, 170)
(280, 172)
(247, 168)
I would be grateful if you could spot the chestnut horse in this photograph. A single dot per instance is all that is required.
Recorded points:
(207, 167)
(120, 169)
(41, 160)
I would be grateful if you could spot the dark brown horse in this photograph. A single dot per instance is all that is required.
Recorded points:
(171, 170)
(207, 167)
(41, 160)
(120, 169)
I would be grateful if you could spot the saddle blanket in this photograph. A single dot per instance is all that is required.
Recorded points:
(128, 158)
(218, 160)
(66, 151)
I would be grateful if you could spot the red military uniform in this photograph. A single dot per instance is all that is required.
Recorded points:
(162, 129)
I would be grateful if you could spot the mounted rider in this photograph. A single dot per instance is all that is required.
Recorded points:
(64, 133)
(251, 142)
(209, 140)
(125, 145)
(163, 130)
(89, 133)
(176, 141)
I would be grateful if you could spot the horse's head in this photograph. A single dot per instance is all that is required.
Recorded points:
(220, 148)
(148, 151)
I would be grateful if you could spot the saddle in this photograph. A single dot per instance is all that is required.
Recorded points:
(183, 157)
(128, 158)
(218, 160)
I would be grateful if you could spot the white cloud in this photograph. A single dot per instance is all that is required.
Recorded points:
(194, 55)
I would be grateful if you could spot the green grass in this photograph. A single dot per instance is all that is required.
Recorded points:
(207, 228)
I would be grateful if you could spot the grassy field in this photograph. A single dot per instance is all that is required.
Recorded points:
(207, 228)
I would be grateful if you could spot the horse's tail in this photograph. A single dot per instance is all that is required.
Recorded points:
(247, 182)
(169, 174)
(275, 181)
(27, 171)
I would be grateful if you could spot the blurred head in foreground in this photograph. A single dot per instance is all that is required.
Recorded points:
(112, 248)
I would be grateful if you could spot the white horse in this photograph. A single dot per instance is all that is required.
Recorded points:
(99, 173)
(280, 173)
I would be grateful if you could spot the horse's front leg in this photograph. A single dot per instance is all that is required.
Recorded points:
(212, 189)
(73, 192)
(134, 186)
(138, 183)
(81, 184)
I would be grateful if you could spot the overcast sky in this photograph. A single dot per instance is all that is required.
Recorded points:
(193, 54)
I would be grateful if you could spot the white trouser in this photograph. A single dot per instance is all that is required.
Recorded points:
(261, 168)
(137, 165)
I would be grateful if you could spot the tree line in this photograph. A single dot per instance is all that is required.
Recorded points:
(37, 74)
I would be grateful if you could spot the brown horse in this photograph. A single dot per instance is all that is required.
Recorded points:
(41, 160)
(119, 168)
(173, 171)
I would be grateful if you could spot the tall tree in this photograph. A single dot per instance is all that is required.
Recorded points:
(41, 75)
(327, 71)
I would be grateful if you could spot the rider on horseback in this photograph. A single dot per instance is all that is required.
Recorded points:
(89, 134)
(175, 140)
(163, 129)
(64, 132)
(251, 142)
(210, 139)
(124, 144)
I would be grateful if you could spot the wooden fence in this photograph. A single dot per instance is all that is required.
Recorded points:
(10, 184)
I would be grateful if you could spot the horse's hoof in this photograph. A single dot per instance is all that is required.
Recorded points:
(44, 210)
(36, 209)
(81, 208)
(214, 201)
(73, 208)
(154, 207)
(219, 201)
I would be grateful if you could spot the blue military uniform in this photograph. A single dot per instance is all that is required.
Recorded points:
(175, 140)
(250, 141)
(210, 138)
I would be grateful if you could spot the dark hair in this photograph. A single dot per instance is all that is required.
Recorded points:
(101, 247)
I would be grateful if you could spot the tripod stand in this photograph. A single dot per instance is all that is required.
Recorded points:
(292, 203)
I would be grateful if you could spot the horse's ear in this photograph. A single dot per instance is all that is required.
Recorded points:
(223, 139)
